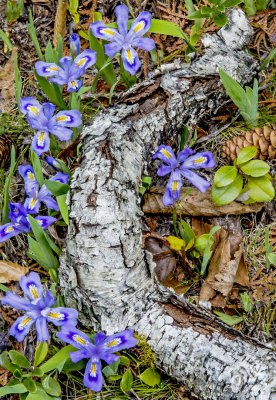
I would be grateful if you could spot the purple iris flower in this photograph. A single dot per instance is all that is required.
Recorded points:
(125, 40)
(74, 41)
(42, 118)
(70, 70)
(38, 309)
(102, 350)
(36, 196)
(19, 222)
(181, 166)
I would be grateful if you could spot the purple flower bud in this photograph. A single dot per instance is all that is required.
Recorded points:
(74, 41)
(54, 163)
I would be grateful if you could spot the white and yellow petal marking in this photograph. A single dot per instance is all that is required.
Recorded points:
(130, 57)
(9, 229)
(32, 203)
(52, 68)
(80, 63)
(74, 84)
(139, 26)
(30, 175)
(33, 290)
(79, 340)
(33, 109)
(23, 324)
(41, 139)
(114, 342)
(200, 160)
(175, 185)
(93, 370)
(64, 117)
(107, 31)
(166, 153)
(56, 316)
(39, 221)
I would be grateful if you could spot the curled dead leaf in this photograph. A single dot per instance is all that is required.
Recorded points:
(10, 271)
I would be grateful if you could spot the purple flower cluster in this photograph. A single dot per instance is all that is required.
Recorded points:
(19, 222)
(181, 167)
(42, 119)
(39, 311)
(125, 40)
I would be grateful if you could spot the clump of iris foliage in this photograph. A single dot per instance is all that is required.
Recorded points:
(61, 118)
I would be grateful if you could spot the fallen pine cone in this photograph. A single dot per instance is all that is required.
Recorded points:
(264, 139)
(6, 143)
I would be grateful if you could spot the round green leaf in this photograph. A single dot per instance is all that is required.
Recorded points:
(220, 20)
(150, 377)
(18, 359)
(225, 175)
(202, 242)
(127, 381)
(51, 386)
(261, 188)
(227, 194)
(246, 154)
(255, 168)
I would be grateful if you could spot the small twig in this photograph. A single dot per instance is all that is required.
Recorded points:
(134, 394)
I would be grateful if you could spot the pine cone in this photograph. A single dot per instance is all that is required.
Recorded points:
(263, 139)
(6, 143)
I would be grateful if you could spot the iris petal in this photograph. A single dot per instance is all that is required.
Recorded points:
(46, 69)
(21, 327)
(17, 302)
(42, 330)
(86, 59)
(200, 160)
(41, 142)
(9, 230)
(61, 315)
(71, 335)
(74, 85)
(200, 183)
(30, 181)
(31, 286)
(29, 105)
(166, 154)
(32, 205)
(130, 60)
(68, 118)
(140, 25)
(44, 221)
(122, 18)
(93, 378)
(146, 44)
(119, 341)
(112, 48)
(101, 31)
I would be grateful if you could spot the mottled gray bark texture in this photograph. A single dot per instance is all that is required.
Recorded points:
(106, 274)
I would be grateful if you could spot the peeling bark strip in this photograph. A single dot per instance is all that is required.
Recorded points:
(104, 271)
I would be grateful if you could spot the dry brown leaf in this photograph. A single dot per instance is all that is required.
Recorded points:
(10, 271)
(163, 258)
(242, 277)
(7, 83)
(223, 266)
(195, 204)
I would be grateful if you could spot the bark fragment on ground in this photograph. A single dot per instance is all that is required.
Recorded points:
(104, 271)
(195, 204)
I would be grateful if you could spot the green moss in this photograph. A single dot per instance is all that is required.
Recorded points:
(146, 356)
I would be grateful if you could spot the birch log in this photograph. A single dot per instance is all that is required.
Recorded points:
(104, 271)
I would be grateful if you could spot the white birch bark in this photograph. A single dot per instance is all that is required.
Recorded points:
(104, 271)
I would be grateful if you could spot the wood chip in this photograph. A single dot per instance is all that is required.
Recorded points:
(7, 83)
